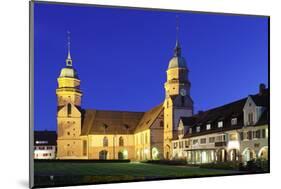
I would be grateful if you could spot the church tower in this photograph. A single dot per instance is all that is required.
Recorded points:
(68, 90)
(68, 110)
(178, 102)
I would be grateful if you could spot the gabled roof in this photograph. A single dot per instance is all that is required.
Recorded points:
(261, 99)
(110, 122)
(118, 122)
(188, 121)
(149, 118)
(213, 116)
(225, 113)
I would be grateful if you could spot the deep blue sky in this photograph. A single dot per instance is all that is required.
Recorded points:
(121, 56)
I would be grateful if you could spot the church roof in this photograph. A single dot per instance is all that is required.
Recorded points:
(69, 71)
(148, 118)
(109, 122)
(117, 122)
(177, 62)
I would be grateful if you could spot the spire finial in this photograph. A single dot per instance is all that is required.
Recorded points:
(68, 60)
(177, 27)
(177, 48)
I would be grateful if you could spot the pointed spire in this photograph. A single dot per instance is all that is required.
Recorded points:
(68, 60)
(177, 50)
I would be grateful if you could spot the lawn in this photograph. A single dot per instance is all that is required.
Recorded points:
(66, 173)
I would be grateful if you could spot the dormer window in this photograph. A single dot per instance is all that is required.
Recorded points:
(250, 118)
(180, 131)
(190, 130)
(208, 126)
(198, 129)
(220, 124)
(234, 121)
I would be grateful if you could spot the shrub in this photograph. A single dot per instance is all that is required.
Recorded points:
(82, 160)
(167, 162)
(257, 165)
(221, 165)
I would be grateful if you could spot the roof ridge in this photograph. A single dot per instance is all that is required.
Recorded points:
(123, 111)
(225, 105)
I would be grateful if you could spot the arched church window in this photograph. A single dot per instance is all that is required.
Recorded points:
(121, 141)
(105, 142)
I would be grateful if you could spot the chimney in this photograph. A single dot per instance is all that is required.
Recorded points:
(261, 89)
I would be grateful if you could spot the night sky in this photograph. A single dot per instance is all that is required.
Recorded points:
(121, 56)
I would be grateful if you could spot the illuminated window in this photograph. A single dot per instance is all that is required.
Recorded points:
(41, 142)
(250, 118)
(249, 135)
(198, 129)
(258, 134)
(208, 126)
(203, 141)
(233, 136)
(190, 130)
(264, 133)
(211, 139)
(186, 143)
(195, 141)
(234, 121)
(220, 138)
(220, 124)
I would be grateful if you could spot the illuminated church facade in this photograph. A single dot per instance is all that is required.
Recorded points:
(97, 134)
(237, 131)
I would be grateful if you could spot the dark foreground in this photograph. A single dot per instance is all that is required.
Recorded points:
(74, 173)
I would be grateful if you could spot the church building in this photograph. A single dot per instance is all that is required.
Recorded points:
(97, 134)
